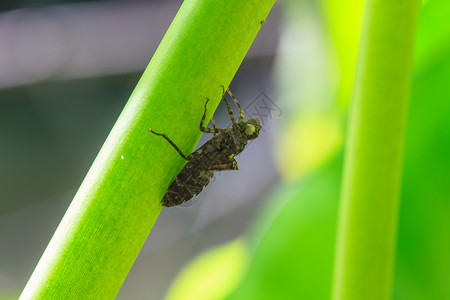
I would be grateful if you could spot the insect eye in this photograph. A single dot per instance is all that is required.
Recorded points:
(249, 129)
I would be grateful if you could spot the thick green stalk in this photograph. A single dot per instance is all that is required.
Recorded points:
(117, 204)
(373, 160)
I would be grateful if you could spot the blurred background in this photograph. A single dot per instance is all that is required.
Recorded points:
(67, 69)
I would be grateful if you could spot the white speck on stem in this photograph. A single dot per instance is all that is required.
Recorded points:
(122, 157)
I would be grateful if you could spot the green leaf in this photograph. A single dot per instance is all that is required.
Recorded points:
(213, 274)
(117, 204)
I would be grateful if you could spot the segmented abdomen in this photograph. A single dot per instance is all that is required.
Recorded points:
(187, 184)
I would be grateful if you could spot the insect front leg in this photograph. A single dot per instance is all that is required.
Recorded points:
(241, 112)
(213, 130)
(230, 111)
(213, 122)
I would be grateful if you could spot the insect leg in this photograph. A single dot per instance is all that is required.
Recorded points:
(204, 115)
(205, 129)
(230, 111)
(172, 143)
(224, 164)
(213, 124)
(241, 111)
(224, 167)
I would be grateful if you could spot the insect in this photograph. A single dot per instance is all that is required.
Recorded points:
(217, 154)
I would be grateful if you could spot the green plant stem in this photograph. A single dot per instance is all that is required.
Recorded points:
(117, 204)
(373, 160)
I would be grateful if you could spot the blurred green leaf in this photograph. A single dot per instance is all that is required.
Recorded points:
(293, 258)
(423, 255)
(308, 143)
(287, 260)
(433, 35)
(212, 275)
(293, 238)
(343, 25)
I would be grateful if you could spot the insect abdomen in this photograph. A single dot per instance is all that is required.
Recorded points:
(187, 184)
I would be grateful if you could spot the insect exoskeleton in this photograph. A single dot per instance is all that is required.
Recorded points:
(217, 154)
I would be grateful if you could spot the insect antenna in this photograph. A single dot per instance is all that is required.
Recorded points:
(172, 143)
(241, 111)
